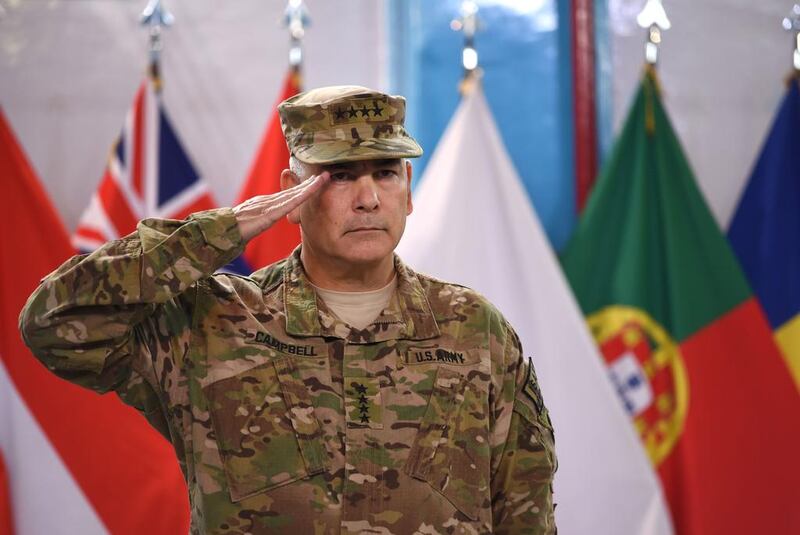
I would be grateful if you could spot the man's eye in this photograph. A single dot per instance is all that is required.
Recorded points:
(339, 177)
(386, 173)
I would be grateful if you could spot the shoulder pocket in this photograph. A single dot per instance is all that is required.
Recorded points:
(451, 450)
(266, 429)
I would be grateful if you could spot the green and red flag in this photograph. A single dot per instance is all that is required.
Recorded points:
(687, 346)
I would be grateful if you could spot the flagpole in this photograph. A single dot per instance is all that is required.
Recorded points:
(654, 19)
(792, 24)
(155, 17)
(583, 99)
(296, 20)
(468, 24)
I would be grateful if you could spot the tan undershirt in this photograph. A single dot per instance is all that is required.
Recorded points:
(358, 309)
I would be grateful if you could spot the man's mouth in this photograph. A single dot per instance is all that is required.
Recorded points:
(365, 229)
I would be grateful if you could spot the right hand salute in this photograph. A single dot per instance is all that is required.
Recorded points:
(257, 214)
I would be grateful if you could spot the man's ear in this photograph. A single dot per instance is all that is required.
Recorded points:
(290, 180)
(409, 173)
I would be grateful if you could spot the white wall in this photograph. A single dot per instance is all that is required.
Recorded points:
(722, 67)
(69, 70)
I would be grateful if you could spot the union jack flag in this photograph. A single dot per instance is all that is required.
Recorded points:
(148, 175)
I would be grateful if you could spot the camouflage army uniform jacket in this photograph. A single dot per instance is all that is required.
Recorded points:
(286, 420)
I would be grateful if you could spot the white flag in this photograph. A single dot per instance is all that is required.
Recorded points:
(473, 224)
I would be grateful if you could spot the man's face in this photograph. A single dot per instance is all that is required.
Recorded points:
(360, 215)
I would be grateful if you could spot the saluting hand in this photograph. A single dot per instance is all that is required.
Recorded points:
(257, 214)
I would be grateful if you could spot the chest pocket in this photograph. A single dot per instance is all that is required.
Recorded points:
(451, 450)
(266, 429)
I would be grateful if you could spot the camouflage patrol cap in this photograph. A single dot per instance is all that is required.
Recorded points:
(346, 123)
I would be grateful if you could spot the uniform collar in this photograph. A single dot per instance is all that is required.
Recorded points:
(408, 315)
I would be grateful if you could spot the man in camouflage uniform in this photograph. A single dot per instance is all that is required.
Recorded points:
(285, 418)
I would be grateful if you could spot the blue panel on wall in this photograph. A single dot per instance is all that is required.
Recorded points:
(524, 53)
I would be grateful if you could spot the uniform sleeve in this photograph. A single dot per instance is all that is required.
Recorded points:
(523, 450)
(95, 320)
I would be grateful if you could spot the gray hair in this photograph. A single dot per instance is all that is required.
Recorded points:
(298, 168)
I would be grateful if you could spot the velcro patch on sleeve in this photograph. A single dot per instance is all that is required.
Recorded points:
(531, 386)
(531, 390)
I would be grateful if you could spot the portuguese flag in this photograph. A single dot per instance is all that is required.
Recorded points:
(686, 345)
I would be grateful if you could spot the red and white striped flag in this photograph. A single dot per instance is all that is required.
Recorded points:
(76, 462)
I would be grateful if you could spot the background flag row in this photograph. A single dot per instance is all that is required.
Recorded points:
(686, 345)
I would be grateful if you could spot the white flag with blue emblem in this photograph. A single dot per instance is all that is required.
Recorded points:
(473, 224)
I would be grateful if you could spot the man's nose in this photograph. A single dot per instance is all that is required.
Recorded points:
(366, 198)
